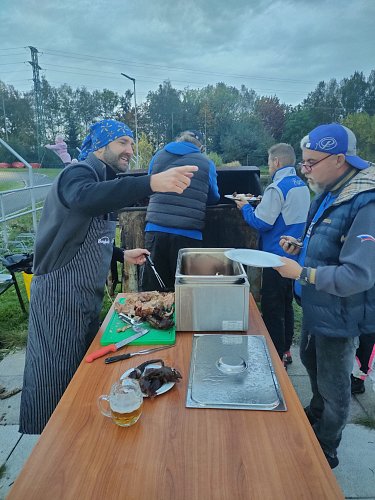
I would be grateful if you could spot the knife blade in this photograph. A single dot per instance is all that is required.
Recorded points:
(115, 347)
(128, 355)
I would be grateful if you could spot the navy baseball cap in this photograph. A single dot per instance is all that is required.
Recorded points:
(334, 139)
(197, 135)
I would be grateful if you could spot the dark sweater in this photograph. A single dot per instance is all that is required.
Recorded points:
(78, 194)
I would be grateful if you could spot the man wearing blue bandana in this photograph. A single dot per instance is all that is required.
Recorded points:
(73, 250)
(335, 274)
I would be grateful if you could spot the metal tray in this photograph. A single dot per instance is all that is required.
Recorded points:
(208, 265)
(233, 372)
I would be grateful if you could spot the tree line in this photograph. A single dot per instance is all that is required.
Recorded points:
(239, 124)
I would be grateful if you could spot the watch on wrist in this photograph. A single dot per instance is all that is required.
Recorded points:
(304, 276)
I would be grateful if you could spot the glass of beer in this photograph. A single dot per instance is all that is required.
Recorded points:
(124, 401)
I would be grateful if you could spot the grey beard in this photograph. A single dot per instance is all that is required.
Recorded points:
(316, 188)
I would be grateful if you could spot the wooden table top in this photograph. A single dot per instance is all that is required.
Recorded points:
(174, 452)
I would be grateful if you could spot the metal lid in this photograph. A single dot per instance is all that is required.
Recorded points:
(233, 371)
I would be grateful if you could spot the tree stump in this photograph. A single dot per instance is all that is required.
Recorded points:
(225, 228)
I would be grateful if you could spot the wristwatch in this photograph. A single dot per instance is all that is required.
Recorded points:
(304, 276)
(307, 276)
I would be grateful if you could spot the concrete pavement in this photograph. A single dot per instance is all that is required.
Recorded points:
(355, 473)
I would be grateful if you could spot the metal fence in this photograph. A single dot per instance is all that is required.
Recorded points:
(20, 208)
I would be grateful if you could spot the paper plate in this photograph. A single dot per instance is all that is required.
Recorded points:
(254, 258)
(164, 388)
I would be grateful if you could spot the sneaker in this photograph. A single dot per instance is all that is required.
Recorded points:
(287, 358)
(358, 385)
(333, 461)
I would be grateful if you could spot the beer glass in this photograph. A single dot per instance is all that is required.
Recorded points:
(125, 402)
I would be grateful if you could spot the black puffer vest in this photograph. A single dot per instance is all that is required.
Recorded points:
(186, 210)
(325, 313)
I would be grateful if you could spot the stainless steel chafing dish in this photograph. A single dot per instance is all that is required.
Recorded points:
(212, 291)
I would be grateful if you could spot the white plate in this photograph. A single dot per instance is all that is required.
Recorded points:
(247, 198)
(255, 258)
(164, 388)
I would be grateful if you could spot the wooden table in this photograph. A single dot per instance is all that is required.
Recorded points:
(174, 452)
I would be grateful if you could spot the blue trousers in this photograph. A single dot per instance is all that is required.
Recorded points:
(329, 363)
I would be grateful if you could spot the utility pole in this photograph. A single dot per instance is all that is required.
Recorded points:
(39, 114)
(135, 119)
(5, 118)
(172, 127)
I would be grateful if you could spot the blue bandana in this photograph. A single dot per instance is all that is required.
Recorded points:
(101, 134)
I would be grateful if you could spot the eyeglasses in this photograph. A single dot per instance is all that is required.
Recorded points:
(310, 164)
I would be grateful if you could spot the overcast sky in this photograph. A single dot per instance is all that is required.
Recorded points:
(276, 47)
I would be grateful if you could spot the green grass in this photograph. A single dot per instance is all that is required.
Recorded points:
(297, 323)
(9, 185)
(13, 322)
(50, 172)
(365, 422)
(2, 470)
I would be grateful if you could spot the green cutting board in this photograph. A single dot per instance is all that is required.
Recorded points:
(153, 337)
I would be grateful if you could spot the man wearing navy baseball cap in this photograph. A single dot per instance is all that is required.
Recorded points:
(335, 274)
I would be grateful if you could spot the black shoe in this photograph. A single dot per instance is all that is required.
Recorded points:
(333, 461)
(358, 385)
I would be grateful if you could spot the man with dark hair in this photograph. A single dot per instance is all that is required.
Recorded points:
(175, 222)
(335, 274)
(282, 210)
(73, 250)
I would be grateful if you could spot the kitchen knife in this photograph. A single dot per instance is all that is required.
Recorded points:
(115, 347)
(128, 355)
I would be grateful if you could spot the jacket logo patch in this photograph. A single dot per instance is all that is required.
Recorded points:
(366, 237)
(327, 221)
(104, 240)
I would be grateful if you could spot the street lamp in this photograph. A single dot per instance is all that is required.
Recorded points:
(135, 118)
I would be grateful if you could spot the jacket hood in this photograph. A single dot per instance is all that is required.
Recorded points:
(181, 148)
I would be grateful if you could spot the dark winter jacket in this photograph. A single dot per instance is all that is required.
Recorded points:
(184, 211)
(80, 193)
(342, 248)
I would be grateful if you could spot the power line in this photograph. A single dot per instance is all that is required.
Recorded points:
(14, 48)
(75, 55)
(146, 79)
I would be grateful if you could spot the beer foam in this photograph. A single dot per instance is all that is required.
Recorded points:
(119, 405)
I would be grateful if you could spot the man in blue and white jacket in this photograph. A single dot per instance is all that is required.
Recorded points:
(282, 210)
(173, 223)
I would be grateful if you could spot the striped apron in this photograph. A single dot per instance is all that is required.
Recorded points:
(64, 318)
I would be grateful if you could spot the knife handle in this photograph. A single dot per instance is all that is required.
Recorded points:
(101, 352)
(113, 359)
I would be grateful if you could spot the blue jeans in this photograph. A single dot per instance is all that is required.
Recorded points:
(329, 363)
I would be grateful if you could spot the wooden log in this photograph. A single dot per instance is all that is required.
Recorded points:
(225, 228)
